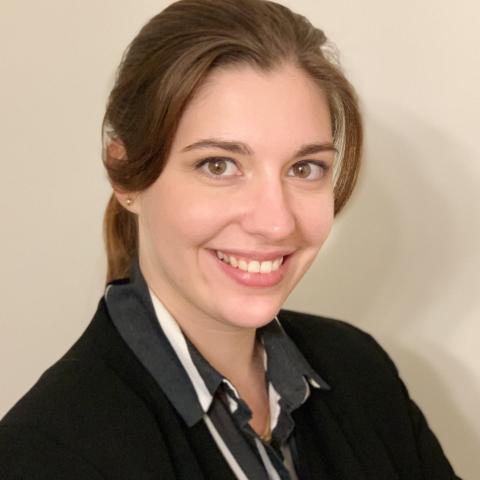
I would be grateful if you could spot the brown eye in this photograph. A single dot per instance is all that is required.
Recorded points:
(309, 170)
(217, 166)
(302, 170)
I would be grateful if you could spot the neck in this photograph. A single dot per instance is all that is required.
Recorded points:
(231, 351)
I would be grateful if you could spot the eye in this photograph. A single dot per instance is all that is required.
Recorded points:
(309, 170)
(217, 167)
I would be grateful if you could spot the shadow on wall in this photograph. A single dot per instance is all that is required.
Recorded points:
(401, 264)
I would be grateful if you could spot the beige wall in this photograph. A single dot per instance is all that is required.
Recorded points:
(403, 261)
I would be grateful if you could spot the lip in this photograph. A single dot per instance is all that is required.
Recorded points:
(251, 279)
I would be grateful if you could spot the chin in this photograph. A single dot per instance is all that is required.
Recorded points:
(252, 315)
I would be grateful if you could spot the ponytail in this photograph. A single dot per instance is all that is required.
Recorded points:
(120, 235)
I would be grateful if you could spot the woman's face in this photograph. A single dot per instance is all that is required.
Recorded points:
(249, 177)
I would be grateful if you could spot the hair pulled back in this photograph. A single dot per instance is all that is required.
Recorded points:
(164, 66)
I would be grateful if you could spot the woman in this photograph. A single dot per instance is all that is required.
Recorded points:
(231, 140)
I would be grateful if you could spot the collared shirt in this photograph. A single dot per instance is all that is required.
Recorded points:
(200, 393)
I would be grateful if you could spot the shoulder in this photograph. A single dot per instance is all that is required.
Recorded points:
(316, 334)
(86, 386)
(73, 396)
(41, 435)
(340, 352)
(66, 394)
(78, 405)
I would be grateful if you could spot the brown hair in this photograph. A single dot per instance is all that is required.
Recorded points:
(167, 62)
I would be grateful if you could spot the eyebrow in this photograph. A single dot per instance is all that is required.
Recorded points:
(243, 149)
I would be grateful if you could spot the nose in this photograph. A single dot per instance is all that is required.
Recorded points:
(269, 211)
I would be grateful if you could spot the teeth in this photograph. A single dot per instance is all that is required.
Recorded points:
(266, 267)
(253, 266)
(277, 263)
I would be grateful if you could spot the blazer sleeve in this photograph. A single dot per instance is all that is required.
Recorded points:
(430, 453)
(27, 454)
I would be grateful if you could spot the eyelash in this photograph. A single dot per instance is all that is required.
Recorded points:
(206, 161)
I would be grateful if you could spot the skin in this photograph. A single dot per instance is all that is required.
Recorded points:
(260, 202)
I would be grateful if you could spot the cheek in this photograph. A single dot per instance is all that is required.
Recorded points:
(315, 218)
(181, 218)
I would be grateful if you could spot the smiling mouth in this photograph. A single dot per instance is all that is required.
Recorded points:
(251, 266)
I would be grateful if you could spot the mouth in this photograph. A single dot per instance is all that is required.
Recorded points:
(251, 265)
(253, 272)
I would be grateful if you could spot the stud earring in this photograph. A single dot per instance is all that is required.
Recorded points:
(129, 202)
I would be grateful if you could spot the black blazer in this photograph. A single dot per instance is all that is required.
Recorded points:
(98, 414)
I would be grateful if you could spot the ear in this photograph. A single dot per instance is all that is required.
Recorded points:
(115, 151)
(128, 200)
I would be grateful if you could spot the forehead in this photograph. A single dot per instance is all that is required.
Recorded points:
(276, 110)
